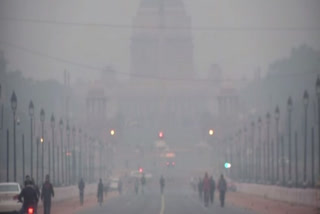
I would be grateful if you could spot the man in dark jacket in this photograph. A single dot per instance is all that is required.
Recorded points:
(200, 188)
(100, 192)
(29, 196)
(222, 186)
(46, 194)
(212, 189)
(81, 187)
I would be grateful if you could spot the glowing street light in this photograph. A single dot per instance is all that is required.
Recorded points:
(211, 132)
(112, 132)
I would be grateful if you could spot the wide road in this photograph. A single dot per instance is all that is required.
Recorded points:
(152, 202)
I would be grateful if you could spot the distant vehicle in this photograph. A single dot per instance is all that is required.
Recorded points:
(9, 197)
(138, 174)
(170, 163)
(113, 184)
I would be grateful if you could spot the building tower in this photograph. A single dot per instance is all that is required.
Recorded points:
(161, 43)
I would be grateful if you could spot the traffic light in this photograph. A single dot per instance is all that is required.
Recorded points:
(227, 165)
(140, 170)
(161, 135)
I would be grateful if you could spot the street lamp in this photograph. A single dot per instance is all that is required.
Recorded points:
(31, 114)
(52, 121)
(261, 150)
(253, 149)
(42, 117)
(245, 156)
(74, 154)
(268, 147)
(80, 154)
(62, 154)
(306, 103)
(277, 116)
(318, 96)
(14, 109)
(68, 152)
(289, 108)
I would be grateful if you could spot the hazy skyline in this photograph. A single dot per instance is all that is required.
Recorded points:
(239, 43)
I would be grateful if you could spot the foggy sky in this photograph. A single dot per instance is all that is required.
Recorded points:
(254, 34)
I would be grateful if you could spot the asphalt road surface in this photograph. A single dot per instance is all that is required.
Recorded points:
(173, 201)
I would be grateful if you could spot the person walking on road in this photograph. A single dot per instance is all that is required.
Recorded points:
(81, 187)
(222, 186)
(143, 182)
(206, 189)
(200, 188)
(136, 186)
(46, 194)
(120, 186)
(212, 189)
(162, 184)
(100, 192)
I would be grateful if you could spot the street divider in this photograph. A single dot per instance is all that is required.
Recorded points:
(291, 195)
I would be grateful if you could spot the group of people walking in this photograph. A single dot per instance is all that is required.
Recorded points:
(207, 187)
(30, 194)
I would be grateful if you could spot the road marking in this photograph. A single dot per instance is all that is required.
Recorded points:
(162, 204)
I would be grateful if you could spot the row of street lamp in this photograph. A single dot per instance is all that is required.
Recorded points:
(256, 162)
(68, 158)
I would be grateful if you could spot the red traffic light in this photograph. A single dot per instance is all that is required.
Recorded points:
(161, 134)
(140, 170)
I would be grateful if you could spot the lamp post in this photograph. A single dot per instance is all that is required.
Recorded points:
(240, 169)
(268, 147)
(289, 108)
(253, 149)
(31, 114)
(37, 164)
(306, 103)
(80, 154)
(245, 145)
(42, 117)
(260, 151)
(318, 96)
(14, 109)
(68, 153)
(74, 167)
(52, 120)
(277, 116)
(61, 148)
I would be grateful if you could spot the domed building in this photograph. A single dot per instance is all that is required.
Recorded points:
(161, 42)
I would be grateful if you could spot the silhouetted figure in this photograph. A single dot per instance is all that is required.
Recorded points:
(100, 192)
(212, 189)
(222, 186)
(200, 188)
(162, 184)
(206, 189)
(46, 194)
(81, 187)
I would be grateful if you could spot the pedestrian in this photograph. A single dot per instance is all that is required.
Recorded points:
(200, 188)
(120, 186)
(206, 189)
(136, 186)
(212, 189)
(143, 182)
(222, 186)
(81, 187)
(46, 194)
(100, 192)
(162, 183)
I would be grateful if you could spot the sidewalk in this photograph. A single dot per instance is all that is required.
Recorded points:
(262, 205)
(71, 206)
